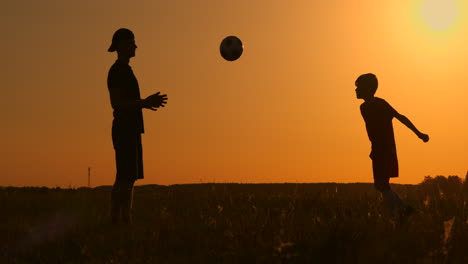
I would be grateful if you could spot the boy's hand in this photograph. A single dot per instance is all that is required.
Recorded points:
(423, 137)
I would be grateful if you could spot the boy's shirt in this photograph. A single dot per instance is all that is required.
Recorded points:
(378, 115)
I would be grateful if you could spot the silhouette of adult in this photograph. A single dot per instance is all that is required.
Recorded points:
(378, 116)
(127, 125)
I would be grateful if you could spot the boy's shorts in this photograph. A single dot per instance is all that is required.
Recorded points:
(384, 169)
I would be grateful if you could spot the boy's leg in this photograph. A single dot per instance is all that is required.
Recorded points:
(382, 185)
(397, 208)
(391, 200)
(382, 173)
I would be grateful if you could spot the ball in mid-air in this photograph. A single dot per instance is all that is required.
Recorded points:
(231, 48)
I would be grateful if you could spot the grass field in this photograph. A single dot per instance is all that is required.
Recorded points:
(236, 223)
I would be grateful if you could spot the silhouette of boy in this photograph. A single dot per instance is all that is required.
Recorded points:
(127, 125)
(378, 115)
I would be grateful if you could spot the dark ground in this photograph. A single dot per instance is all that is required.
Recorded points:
(236, 223)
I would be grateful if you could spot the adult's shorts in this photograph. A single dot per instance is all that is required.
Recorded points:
(128, 154)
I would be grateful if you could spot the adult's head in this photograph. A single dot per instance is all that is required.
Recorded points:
(123, 41)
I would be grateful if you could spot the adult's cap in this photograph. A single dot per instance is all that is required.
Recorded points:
(120, 34)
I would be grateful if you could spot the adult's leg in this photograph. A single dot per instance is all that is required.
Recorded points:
(115, 202)
(121, 200)
(129, 166)
(127, 201)
(135, 159)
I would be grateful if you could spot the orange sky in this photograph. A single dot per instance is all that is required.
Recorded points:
(284, 112)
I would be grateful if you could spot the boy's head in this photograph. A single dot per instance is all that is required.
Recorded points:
(366, 86)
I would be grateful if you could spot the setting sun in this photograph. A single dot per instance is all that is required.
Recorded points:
(439, 15)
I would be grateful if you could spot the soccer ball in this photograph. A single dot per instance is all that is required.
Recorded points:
(231, 48)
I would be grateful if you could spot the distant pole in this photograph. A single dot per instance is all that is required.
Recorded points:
(89, 177)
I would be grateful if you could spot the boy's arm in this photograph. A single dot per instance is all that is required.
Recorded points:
(403, 119)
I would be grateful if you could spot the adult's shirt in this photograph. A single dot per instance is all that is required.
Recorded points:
(378, 115)
(123, 87)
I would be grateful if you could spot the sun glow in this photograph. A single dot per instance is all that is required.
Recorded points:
(439, 15)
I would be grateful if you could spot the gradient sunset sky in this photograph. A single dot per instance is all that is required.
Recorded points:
(286, 111)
